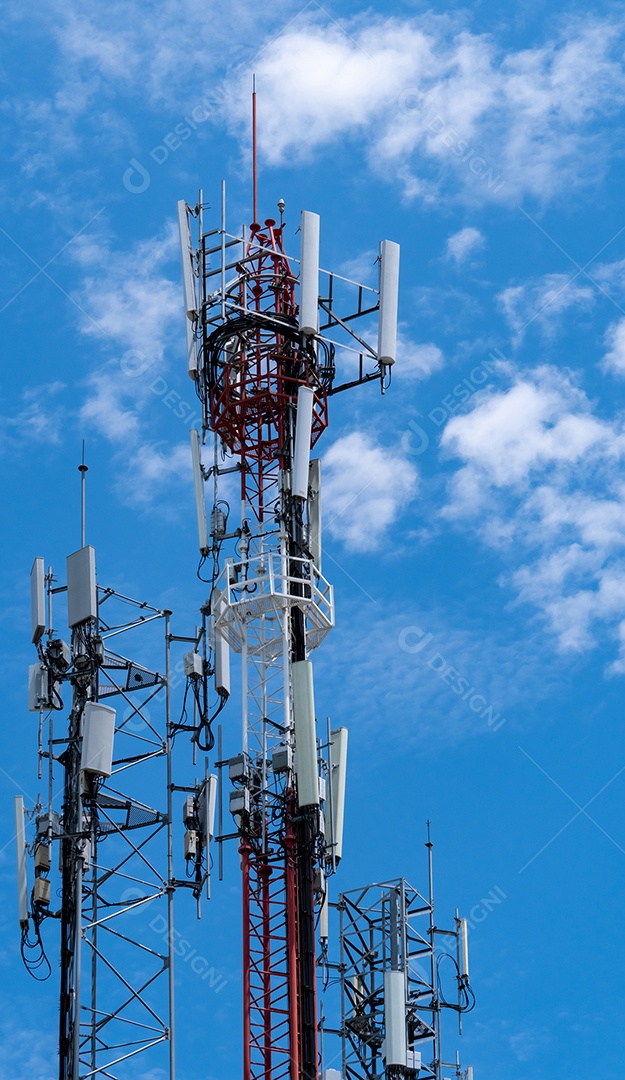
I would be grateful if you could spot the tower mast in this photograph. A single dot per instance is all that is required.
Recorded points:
(264, 370)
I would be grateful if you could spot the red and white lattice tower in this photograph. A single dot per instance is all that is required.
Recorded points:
(264, 369)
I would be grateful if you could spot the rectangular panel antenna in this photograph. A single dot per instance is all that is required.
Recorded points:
(191, 351)
(22, 882)
(200, 502)
(338, 775)
(306, 768)
(222, 664)
(97, 739)
(38, 687)
(38, 600)
(314, 513)
(395, 1043)
(82, 593)
(301, 454)
(186, 255)
(207, 803)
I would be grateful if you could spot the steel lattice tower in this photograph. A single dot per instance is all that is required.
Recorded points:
(108, 826)
(265, 370)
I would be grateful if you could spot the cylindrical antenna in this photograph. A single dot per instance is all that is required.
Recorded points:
(309, 273)
(82, 468)
(389, 298)
(254, 174)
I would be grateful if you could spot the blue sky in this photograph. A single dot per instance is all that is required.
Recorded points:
(475, 516)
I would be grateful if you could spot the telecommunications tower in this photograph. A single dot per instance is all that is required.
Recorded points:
(263, 333)
(100, 835)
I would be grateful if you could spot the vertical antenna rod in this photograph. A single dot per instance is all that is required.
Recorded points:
(254, 172)
(82, 468)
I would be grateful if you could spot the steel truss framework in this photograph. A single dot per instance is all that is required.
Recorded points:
(272, 605)
(115, 854)
(390, 926)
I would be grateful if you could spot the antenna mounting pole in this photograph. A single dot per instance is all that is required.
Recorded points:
(254, 172)
(82, 468)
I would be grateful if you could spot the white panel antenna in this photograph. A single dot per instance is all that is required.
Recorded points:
(191, 351)
(82, 594)
(305, 734)
(221, 654)
(395, 1047)
(38, 600)
(186, 255)
(200, 502)
(97, 739)
(309, 274)
(38, 687)
(208, 802)
(222, 665)
(389, 299)
(338, 774)
(323, 917)
(22, 882)
(314, 513)
(463, 928)
(303, 430)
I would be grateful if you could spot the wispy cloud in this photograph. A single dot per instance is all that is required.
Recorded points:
(433, 99)
(544, 301)
(464, 243)
(37, 417)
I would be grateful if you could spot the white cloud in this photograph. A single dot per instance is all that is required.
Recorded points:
(543, 300)
(365, 487)
(38, 419)
(464, 243)
(416, 361)
(614, 359)
(431, 99)
(152, 475)
(133, 309)
(542, 421)
(541, 479)
(126, 296)
(106, 409)
(155, 48)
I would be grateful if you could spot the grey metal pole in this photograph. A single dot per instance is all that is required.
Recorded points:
(83, 469)
(436, 1010)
